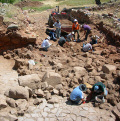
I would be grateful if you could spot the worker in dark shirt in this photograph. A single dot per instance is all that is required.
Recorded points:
(98, 90)
(62, 41)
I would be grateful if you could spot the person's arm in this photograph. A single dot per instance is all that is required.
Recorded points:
(54, 24)
(90, 48)
(90, 96)
(84, 32)
(83, 101)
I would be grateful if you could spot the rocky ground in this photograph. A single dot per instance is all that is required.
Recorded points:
(40, 92)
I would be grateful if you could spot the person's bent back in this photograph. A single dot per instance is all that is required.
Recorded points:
(87, 47)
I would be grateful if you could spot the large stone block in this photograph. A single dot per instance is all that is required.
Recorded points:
(79, 69)
(3, 103)
(17, 92)
(52, 78)
(108, 68)
(32, 81)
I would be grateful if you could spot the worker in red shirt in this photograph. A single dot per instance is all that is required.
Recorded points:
(75, 28)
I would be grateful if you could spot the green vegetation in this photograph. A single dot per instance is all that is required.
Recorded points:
(7, 1)
(80, 2)
(37, 0)
(41, 8)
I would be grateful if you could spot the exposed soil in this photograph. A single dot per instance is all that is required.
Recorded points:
(29, 4)
(69, 56)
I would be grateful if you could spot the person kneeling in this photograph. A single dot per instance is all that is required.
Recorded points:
(87, 47)
(62, 41)
(77, 95)
(98, 92)
(45, 44)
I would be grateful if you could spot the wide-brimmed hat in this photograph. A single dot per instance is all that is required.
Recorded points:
(82, 87)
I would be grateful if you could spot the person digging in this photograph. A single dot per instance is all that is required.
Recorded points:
(98, 93)
(77, 96)
(87, 30)
(62, 41)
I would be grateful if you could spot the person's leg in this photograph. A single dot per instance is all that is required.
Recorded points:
(78, 34)
(74, 34)
(57, 32)
(87, 33)
(78, 101)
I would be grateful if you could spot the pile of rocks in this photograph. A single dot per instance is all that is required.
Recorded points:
(58, 73)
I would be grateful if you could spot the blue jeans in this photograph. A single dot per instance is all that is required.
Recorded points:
(46, 48)
(76, 101)
(58, 32)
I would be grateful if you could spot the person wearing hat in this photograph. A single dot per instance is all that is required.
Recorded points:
(57, 25)
(70, 36)
(75, 28)
(94, 39)
(98, 89)
(77, 95)
(87, 30)
(45, 44)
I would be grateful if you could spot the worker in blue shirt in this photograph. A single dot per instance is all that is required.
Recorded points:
(77, 95)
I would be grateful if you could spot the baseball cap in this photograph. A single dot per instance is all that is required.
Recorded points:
(96, 88)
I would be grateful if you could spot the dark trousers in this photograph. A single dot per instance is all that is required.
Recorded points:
(87, 33)
(77, 34)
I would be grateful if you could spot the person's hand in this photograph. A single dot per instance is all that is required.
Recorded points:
(83, 102)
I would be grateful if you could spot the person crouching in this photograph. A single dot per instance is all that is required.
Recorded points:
(45, 44)
(77, 95)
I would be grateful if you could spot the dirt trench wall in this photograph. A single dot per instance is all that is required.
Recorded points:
(14, 39)
(112, 35)
(80, 15)
(83, 16)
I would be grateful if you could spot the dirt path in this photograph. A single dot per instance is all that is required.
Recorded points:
(8, 76)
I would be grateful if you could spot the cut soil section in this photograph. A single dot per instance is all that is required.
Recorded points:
(29, 4)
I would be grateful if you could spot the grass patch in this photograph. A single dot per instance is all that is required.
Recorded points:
(41, 8)
(80, 2)
(9, 15)
(37, 0)
(17, 1)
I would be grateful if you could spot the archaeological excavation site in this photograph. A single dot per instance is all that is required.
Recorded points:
(38, 82)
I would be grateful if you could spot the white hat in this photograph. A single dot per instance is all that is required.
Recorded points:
(48, 37)
(75, 20)
(81, 26)
(72, 32)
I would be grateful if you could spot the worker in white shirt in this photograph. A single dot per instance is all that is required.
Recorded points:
(87, 47)
(57, 25)
(45, 44)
